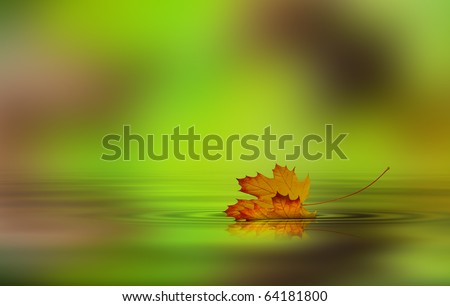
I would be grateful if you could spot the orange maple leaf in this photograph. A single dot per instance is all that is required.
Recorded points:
(280, 197)
(285, 182)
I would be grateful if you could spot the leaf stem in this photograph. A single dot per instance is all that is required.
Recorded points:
(351, 194)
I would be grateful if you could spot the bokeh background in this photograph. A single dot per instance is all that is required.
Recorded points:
(74, 71)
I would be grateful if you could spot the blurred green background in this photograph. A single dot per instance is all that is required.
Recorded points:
(74, 71)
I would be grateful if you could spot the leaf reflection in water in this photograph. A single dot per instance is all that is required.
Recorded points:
(267, 228)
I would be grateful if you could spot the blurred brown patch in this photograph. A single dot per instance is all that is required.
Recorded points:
(42, 88)
(348, 57)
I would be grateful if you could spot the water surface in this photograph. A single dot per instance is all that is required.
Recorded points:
(166, 231)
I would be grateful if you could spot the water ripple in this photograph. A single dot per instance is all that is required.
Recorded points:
(201, 216)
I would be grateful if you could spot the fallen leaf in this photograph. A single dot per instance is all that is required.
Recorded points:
(280, 197)
(285, 182)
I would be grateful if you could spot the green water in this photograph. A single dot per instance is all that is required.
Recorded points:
(172, 231)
